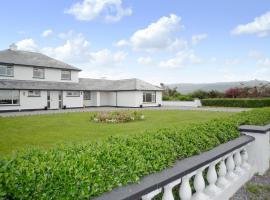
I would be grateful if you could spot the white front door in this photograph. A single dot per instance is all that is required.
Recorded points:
(53, 99)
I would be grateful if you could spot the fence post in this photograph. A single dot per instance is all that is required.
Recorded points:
(258, 151)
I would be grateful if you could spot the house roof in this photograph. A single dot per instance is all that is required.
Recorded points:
(84, 84)
(27, 58)
(37, 85)
(116, 85)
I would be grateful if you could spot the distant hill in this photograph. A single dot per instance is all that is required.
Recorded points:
(185, 88)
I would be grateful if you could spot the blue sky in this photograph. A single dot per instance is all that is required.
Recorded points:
(158, 41)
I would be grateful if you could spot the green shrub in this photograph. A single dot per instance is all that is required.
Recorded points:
(244, 103)
(117, 116)
(87, 170)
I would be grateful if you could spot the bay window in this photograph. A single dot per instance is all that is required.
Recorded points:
(6, 70)
(9, 97)
(149, 97)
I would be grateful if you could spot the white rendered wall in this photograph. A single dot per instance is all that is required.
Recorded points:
(195, 103)
(127, 99)
(72, 102)
(26, 73)
(107, 98)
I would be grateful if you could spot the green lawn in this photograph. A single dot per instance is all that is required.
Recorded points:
(53, 129)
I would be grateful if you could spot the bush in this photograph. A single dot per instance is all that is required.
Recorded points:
(244, 103)
(117, 116)
(90, 169)
(178, 98)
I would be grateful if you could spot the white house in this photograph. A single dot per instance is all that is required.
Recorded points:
(30, 80)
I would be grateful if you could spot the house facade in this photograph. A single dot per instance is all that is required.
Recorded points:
(30, 81)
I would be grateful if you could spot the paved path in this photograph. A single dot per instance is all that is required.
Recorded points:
(258, 188)
(96, 109)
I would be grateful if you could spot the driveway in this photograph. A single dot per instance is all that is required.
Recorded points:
(97, 109)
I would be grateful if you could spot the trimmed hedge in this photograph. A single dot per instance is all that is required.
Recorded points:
(90, 169)
(243, 103)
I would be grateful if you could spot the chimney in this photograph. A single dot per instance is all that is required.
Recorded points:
(13, 47)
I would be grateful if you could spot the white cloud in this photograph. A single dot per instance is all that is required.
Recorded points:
(264, 62)
(157, 36)
(254, 54)
(232, 61)
(259, 26)
(46, 33)
(197, 38)
(182, 58)
(106, 58)
(145, 61)
(27, 44)
(110, 10)
(121, 43)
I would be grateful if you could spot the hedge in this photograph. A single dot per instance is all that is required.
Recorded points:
(90, 169)
(244, 103)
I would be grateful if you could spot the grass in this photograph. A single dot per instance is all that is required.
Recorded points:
(45, 131)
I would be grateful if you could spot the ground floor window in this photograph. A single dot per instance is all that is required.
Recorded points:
(34, 93)
(73, 93)
(149, 97)
(9, 97)
(87, 95)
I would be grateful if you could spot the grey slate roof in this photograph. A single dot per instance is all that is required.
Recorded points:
(116, 85)
(84, 84)
(27, 58)
(37, 85)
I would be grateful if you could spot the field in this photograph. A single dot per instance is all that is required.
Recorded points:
(53, 129)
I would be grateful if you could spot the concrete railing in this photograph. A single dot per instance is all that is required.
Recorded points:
(195, 103)
(216, 174)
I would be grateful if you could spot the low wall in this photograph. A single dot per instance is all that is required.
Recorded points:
(227, 168)
(195, 103)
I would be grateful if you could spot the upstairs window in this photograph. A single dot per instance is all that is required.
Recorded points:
(6, 70)
(149, 97)
(66, 75)
(38, 73)
(34, 93)
(9, 97)
(73, 93)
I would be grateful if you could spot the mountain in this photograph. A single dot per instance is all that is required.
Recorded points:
(185, 88)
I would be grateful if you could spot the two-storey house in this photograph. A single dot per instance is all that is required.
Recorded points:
(30, 80)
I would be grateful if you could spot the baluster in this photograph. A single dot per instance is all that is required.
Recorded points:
(222, 181)
(151, 195)
(238, 162)
(245, 164)
(199, 186)
(231, 176)
(185, 189)
(168, 194)
(212, 189)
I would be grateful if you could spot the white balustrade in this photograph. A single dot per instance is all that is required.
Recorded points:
(231, 168)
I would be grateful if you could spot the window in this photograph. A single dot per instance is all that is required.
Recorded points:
(9, 97)
(73, 93)
(34, 93)
(149, 97)
(65, 75)
(6, 70)
(87, 95)
(38, 72)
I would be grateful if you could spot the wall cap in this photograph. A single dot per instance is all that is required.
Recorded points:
(255, 129)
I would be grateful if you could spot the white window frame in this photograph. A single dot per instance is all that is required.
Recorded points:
(34, 93)
(6, 68)
(73, 93)
(63, 73)
(153, 97)
(41, 71)
(13, 99)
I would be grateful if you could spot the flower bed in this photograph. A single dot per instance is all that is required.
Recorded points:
(87, 170)
(117, 116)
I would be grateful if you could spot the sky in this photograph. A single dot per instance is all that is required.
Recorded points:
(172, 41)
